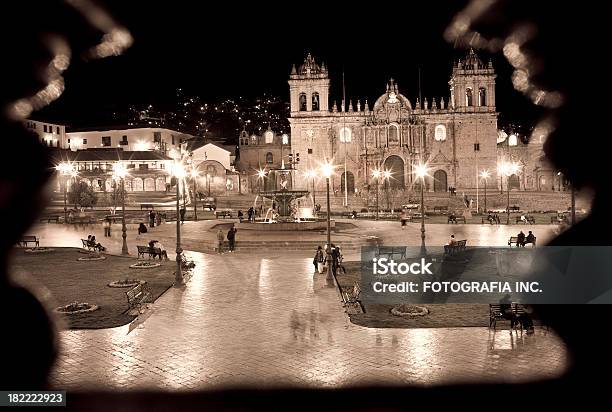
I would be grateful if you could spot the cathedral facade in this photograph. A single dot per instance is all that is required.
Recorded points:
(455, 138)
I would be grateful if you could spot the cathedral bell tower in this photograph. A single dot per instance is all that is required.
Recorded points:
(309, 89)
(472, 84)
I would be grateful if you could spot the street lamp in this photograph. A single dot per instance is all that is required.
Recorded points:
(421, 171)
(65, 169)
(376, 175)
(485, 175)
(508, 169)
(119, 172)
(178, 172)
(387, 176)
(327, 169)
(194, 177)
(261, 175)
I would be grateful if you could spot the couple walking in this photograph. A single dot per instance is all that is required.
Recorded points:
(231, 238)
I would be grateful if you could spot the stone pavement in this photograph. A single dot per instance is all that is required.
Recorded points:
(268, 320)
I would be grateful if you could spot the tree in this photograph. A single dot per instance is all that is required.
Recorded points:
(116, 195)
(82, 195)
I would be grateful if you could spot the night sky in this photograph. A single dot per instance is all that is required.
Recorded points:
(247, 50)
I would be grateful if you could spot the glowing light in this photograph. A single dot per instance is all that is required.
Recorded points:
(141, 146)
(119, 170)
(420, 170)
(387, 174)
(261, 174)
(65, 168)
(178, 170)
(376, 173)
(327, 169)
(484, 174)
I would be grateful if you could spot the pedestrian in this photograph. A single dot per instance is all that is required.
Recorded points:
(231, 237)
(220, 240)
(142, 228)
(520, 239)
(152, 218)
(240, 216)
(158, 219)
(183, 211)
(403, 219)
(318, 260)
(107, 227)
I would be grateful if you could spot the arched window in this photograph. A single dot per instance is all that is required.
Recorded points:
(393, 134)
(269, 136)
(468, 97)
(302, 102)
(269, 158)
(512, 140)
(482, 96)
(285, 138)
(440, 134)
(346, 135)
(315, 101)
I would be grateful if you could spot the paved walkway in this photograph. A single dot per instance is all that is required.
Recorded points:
(246, 319)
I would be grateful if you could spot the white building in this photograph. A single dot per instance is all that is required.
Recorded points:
(50, 134)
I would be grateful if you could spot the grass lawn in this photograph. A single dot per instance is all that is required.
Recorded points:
(69, 280)
(440, 315)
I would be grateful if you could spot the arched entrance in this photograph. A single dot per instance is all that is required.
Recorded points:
(350, 182)
(514, 183)
(440, 181)
(395, 165)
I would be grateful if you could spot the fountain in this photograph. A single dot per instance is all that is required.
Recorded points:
(286, 212)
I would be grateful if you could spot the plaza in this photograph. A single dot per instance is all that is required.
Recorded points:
(260, 317)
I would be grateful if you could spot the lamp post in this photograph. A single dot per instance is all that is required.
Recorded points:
(179, 173)
(326, 170)
(485, 175)
(376, 175)
(261, 175)
(119, 171)
(194, 176)
(387, 176)
(421, 171)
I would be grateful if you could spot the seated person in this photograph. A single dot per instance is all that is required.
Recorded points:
(523, 219)
(491, 218)
(155, 244)
(452, 217)
(525, 318)
(520, 239)
(452, 242)
(530, 238)
(91, 241)
(354, 214)
(142, 228)
(240, 215)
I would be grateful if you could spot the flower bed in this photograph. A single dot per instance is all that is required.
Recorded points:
(409, 310)
(143, 264)
(125, 283)
(38, 250)
(91, 257)
(77, 307)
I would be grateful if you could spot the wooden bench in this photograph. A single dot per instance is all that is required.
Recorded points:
(486, 219)
(87, 245)
(514, 240)
(151, 251)
(138, 295)
(559, 219)
(223, 213)
(456, 248)
(456, 219)
(514, 208)
(50, 219)
(495, 314)
(391, 251)
(352, 296)
(146, 206)
(441, 209)
(528, 219)
(29, 239)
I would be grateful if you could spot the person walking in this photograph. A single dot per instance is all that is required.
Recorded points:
(158, 219)
(318, 260)
(183, 211)
(220, 240)
(152, 218)
(107, 227)
(231, 237)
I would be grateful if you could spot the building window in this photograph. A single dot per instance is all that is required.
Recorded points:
(512, 140)
(143, 166)
(106, 141)
(477, 147)
(393, 133)
(157, 137)
(172, 139)
(346, 135)
(269, 136)
(285, 139)
(84, 141)
(309, 151)
(131, 166)
(68, 141)
(302, 102)
(315, 101)
(269, 158)
(482, 96)
(57, 129)
(124, 141)
(440, 134)
(468, 97)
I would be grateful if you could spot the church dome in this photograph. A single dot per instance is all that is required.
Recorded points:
(392, 97)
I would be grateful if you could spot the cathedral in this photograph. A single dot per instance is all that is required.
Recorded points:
(455, 138)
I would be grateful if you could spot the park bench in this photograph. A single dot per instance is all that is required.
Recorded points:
(495, 314)
(352, 296)
(559, 219)
(49, 219)
(441, 209)
(485, 219)
(391, 251)
(151, 251)
(223, 213)
(29, 239)
(88, 246)
(146, 206)
(529, 219)
(113, 218)
(456, 219)
(138, 295)
(514, 208)
(514, 240)
(456, 248)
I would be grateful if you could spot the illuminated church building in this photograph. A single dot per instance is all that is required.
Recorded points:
(457, 138)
